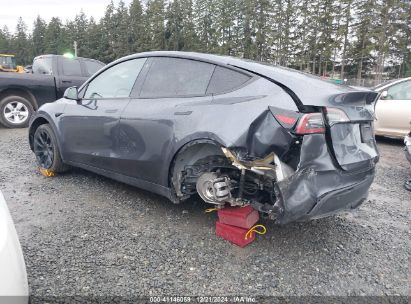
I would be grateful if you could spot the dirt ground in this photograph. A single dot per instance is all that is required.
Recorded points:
(83, 234)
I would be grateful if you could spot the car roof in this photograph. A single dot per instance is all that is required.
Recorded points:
(306, 88)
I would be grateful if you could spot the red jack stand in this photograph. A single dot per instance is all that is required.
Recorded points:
(234, 234)
(236, 224)
(243, 217)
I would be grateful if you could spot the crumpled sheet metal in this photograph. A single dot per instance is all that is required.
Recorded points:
(317, 180)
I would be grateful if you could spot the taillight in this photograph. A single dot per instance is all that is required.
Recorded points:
(286, 121)
(310, 123)
(335, 115)
(314, 123)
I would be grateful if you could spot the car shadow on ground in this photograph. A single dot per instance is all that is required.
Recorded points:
(389, 140)
(190, 217)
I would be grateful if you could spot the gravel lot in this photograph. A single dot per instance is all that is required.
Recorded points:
(83, 234)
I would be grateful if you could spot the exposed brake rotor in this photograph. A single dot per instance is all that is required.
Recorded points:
(212, 188)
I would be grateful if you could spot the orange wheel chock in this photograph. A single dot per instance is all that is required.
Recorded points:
(46, 172)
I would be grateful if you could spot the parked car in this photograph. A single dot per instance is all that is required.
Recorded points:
(393, 109)
(51, 75)
(233, 131)
(13, 277)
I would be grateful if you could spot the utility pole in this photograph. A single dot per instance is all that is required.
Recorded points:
(75, 48)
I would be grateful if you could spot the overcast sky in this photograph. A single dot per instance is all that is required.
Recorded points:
(11, 10)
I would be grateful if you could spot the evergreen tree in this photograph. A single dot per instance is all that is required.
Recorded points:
(205, 26)
(247, 24)
(80, 34)
(265, 36)
(179, 31)
(286, 20)
(94, 40)
(174, 27)
(326, 36)
(188, 31)
(108, 30)
(385, 30)
(226, 14)
(405, 65)
(362, 45)
(54, 38)
(350, 38)
(154, 19)
(5, 39)
(20, 43)
(136, 33)
(120, 30)
(345, 31)
(302, 39)
(39, 36)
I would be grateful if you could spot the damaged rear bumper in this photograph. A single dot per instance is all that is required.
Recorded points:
(320, 187)
(309, 194)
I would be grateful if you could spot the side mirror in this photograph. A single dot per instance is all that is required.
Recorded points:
(384, 94)
(71, 93)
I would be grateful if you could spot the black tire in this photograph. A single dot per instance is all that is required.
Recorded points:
(15, 111)
(46, 149)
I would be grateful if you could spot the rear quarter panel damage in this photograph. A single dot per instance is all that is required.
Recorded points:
(234, 120)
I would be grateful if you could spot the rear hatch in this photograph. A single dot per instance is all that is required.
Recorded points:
(349, 130)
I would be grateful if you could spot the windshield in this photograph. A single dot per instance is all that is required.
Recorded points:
(8, 62)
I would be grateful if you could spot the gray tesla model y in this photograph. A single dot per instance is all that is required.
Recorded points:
(232, 131)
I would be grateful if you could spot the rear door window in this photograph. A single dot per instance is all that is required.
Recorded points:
(71, 67)
(92, 66)
(176, 77)
(226, 80)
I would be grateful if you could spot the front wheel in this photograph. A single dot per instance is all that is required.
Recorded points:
(15, 112)
(46, 149)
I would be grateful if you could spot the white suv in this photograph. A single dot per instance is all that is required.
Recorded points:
(393, 109)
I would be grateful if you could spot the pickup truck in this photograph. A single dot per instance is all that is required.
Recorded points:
(22, 94)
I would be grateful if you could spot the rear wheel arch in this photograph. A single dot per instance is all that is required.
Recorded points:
(22, 93)
(189, 153)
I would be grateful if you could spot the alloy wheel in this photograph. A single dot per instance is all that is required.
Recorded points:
(16, 112)
(43, 149)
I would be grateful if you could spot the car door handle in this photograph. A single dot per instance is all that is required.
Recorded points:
(66, 81)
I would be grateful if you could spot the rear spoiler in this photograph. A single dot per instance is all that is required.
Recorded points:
(355, 98)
